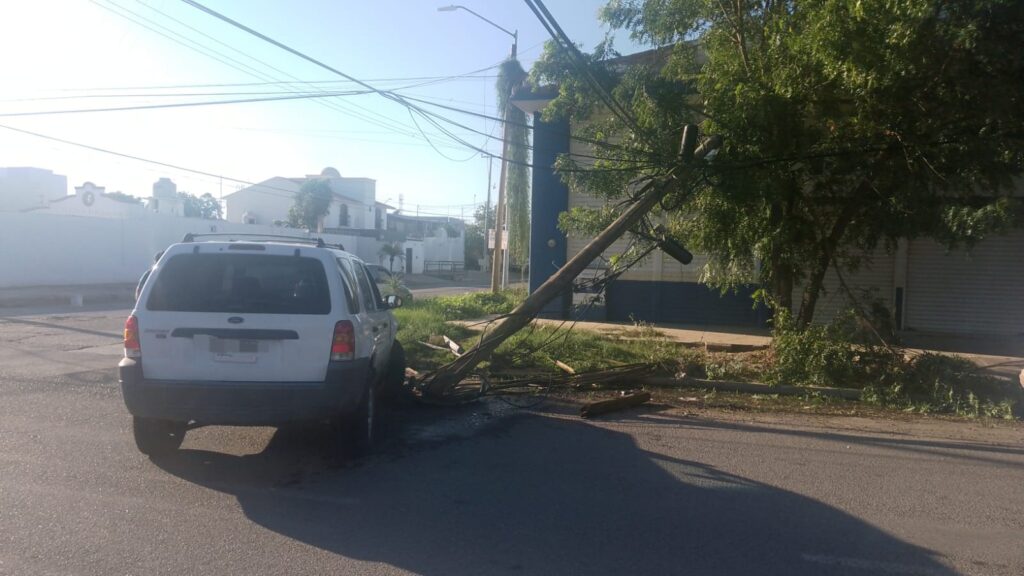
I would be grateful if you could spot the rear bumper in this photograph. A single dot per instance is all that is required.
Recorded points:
(244, 403)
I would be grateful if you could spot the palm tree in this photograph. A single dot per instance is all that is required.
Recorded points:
(391, 251)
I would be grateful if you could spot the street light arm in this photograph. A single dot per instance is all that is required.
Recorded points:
(453, 7)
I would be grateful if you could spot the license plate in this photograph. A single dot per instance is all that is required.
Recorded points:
(228, 346)
(235, 358)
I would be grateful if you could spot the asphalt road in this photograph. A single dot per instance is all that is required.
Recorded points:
(486, 489)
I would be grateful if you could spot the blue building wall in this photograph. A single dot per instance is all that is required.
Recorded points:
(549, 197)
(682, 302)
(658, 302)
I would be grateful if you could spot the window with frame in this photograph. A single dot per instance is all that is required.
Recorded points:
(366, 287)
(351, 285)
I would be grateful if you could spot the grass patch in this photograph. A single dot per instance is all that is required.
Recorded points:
(537, 348)
(427, 320)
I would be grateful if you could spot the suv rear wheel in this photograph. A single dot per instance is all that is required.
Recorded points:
(155, 437)
(394, 377)
(353, 434)
(363, 425)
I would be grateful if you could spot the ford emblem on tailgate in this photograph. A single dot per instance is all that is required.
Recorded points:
(236, 320)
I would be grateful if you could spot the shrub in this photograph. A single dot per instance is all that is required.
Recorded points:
(843, 354)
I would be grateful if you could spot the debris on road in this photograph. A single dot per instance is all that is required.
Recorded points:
(599, 407)
(454, 346)
(565, 367)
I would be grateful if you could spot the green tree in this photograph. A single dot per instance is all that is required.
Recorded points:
(476, 237)
(205, 206)
(517, 180)
(392, 251)
(312, 203)
(848, 124)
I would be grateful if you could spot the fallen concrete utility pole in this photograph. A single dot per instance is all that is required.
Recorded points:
(599, 407)
(448, 376)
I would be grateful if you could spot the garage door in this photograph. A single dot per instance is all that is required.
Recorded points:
(959, 292)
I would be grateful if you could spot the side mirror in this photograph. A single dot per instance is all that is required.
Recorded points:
(393, 301)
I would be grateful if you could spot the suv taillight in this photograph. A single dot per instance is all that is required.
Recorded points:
(343, 347)
(132, 347)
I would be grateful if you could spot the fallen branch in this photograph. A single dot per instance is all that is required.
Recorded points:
(565, 367)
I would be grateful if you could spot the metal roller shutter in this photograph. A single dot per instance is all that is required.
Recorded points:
(980, 292)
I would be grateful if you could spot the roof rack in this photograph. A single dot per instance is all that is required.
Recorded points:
(318, 242)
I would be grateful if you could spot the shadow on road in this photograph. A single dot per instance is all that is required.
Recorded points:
(541, 495)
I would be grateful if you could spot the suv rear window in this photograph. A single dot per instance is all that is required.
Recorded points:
(241, 283)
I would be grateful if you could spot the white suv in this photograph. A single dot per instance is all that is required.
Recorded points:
(257, 333)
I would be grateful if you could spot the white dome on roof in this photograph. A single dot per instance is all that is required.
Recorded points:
(330, 172)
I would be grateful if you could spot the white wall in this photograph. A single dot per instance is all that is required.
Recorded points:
(101, 207)
(38, 249)
(22, 188)
(443, 248)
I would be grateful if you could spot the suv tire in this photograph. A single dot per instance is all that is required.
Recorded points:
(393, 386)
(357, 432)
(156, 437)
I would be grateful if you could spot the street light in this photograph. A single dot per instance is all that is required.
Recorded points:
(500, 260)
(514, 34)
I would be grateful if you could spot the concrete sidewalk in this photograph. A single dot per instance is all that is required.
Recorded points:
(715, 338)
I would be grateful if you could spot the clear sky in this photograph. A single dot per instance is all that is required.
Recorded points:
(58, 54)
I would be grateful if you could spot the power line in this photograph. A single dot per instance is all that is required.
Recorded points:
(560, 38)
(467, 76)
(429, 116)
(383, 120)
(183, 104)
(221, 57)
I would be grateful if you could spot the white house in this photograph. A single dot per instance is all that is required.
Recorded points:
(165, 198)
(27, 188)
(92, 200)
(354, 206)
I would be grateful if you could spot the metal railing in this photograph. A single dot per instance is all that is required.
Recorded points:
(444, 268)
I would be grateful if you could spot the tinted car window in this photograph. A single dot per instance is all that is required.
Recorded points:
(241, 283)
(348, 277)
(376, 292)
(365, 287)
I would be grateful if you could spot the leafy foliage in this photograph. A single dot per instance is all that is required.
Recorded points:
(476, 239)
(842, 354)
(392, 251)
(848, 124)
(205, 206)
(517, 182)
(312, 203)
(395, 284)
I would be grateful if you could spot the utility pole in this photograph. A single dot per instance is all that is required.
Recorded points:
(487, 213)
(500, 254)
(449, 375)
